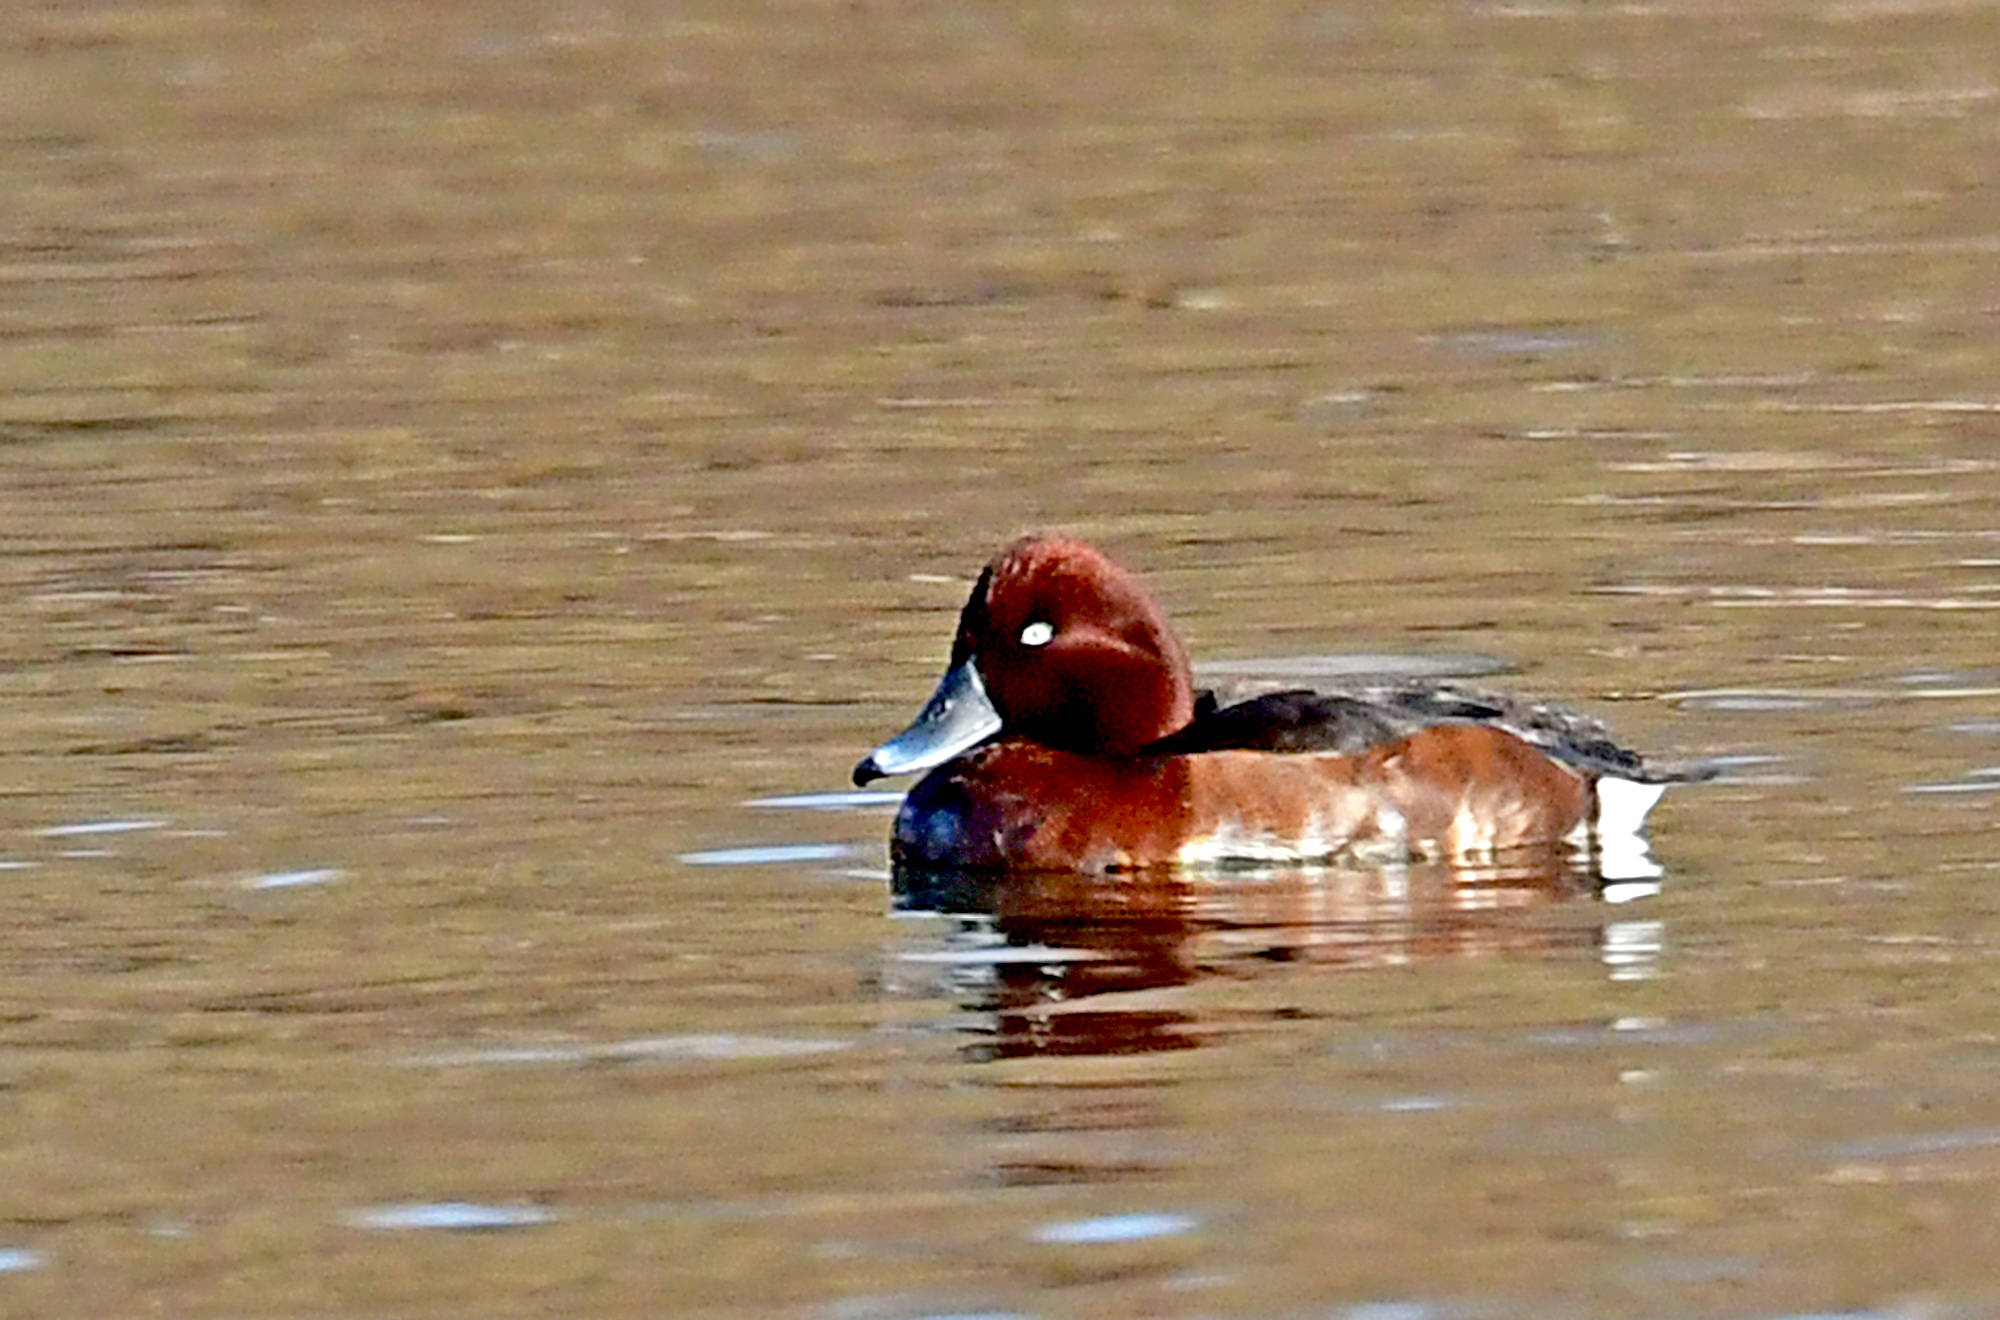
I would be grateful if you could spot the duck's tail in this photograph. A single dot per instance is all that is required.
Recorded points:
(1626, 794)
(1622, 805)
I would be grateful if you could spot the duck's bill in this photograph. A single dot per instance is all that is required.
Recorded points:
(958, 716)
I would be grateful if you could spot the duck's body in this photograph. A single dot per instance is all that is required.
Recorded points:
(1067, 735)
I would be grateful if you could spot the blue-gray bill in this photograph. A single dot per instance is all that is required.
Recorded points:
(958, 716)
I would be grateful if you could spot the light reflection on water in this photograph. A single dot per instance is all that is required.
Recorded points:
(304, 877)
(1133, 1227)
(842, 801)
(713, 1048)
(82, 829)
(1984, 780)
(449, 1216)
(772, 854)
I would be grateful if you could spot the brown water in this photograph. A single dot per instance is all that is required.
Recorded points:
(457, 459)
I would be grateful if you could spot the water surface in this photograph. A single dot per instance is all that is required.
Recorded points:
(478, 477)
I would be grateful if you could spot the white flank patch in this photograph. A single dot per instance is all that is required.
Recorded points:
(1468, 835)
(1390, 842)
(1622, 806)
(1232, 843)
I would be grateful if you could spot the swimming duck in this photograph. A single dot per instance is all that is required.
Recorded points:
(1067, 735)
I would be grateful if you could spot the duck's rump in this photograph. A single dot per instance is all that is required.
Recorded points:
(1353, 721)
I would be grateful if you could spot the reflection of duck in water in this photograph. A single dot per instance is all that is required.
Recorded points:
(1054, 961)
(1067, 735)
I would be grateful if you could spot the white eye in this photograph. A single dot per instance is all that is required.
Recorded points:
(1037, 633)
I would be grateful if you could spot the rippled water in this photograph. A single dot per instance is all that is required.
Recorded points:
(478, 477)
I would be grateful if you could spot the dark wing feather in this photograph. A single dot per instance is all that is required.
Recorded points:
(1297, 721)
(1354, 721)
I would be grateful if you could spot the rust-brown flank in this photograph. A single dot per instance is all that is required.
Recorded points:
(1455, 791)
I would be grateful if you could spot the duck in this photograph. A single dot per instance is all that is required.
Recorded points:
(1067, 735)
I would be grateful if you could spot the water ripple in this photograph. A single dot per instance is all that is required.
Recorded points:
(319, 875)
(88, 827)
(1915, 1143)
(454, 1216)
(719, 1046)
(1114, 1228)
(828, 801)
(769, 854)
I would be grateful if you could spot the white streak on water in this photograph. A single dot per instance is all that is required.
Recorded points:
(318, 875)
(1113, 1228)
(717, 1047)
(86, 827)
(459, 1216)
(828, 801)
(771, 854)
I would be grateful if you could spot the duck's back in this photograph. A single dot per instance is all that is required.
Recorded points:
(1355, 720)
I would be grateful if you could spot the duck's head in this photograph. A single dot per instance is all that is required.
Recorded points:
(1057, 645)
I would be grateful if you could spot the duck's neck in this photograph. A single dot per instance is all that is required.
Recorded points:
(1124, 699)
